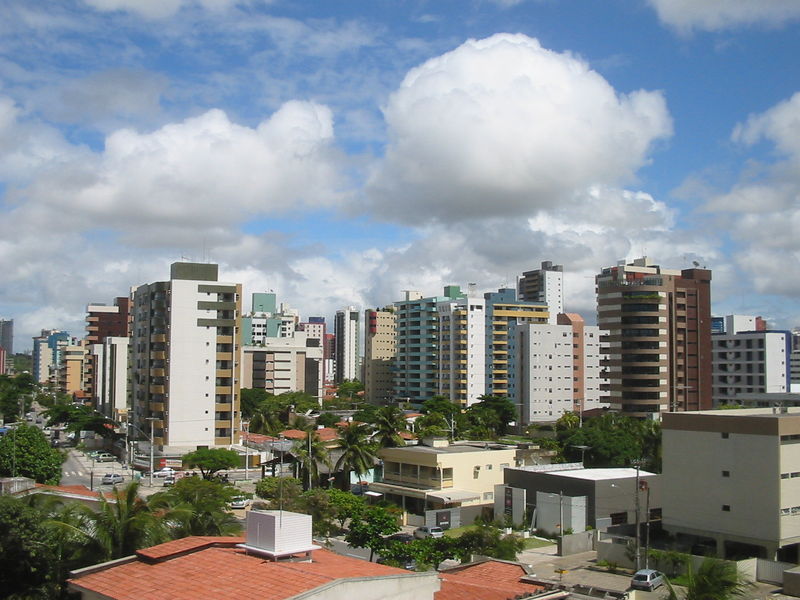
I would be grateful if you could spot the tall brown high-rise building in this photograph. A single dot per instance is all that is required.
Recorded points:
(103, 322)
(658, 325)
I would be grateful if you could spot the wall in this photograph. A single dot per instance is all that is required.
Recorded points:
(576, 543)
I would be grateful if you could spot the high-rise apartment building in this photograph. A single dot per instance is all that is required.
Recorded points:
(185, 347)
(347, 344)
(7, 335)
(48, 352)
(462, 350)
(110, 375)
(285, 364)
(416, 376)
(103, 321)
(555, 369)
(380, 350)
(658, 324)
(267, 320)
(750, 362)
(544, 285)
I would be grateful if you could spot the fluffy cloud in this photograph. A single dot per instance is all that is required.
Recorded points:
(711, 15)
(193, 177)
(502, 126)
(762, 212)
(159, 9)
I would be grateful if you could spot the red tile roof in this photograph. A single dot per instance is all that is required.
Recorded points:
(207, 567)
(489, 580)
(77, 490)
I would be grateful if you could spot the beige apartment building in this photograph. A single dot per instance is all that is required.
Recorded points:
(732, 477)
(441, 483)
(380, 350)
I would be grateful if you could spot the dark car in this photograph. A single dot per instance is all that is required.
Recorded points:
(403, 538)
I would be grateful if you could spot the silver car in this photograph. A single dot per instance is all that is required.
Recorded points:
(647, 579)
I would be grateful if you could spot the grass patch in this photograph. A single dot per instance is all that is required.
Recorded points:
(531, 543)
(459, 531)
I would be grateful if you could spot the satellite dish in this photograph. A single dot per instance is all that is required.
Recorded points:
(695, 263)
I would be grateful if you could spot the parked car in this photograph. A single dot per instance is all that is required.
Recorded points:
(240, 502)
(105, 457)
(403, 538)
(647, 579)
(165, 472)
(426, 532)
(112, 478)
(169, 480)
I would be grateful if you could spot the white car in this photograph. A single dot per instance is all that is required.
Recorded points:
(165, 472)
(112, 479)
(426, 532)
(240, 502)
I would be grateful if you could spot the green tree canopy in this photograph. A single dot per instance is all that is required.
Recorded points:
(27, 552)
(328, 419)
(281, 492)
(503, 410)
(358, 453)
(15, 395)
(211, 460)
(25, 452)
(196, 506)
(369, 526)
(80, 418)
(713, 580)
(388, 424)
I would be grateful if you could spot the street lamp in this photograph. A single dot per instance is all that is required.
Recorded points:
(151, 419)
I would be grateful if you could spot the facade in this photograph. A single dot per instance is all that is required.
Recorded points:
(750, 362)
(185, 347)
(658, 324)
(329, 352)
(417, 363)
(111, 385)
(461, 356)
(48, 350)
(102, 322)
(732, 477)
(7, 335)
(3, 359)
(347, 344)
(544, 285)
(380, 349)
(439, 477)
(73, 370)
(267, 320)
(285, 364)
(503, 312)
(556, 369)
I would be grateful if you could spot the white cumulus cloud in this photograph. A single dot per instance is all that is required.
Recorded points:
(712, 15)
(503, 126)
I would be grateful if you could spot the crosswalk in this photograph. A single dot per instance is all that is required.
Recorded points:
(74, 473)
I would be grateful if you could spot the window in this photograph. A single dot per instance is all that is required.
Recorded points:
(726, 473)
(725, 435)
(488, 495)
(726, 508)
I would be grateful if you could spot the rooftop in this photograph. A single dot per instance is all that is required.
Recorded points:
(486, 580)
(208, 567)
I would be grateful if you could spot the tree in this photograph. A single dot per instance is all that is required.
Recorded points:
(345, 504)
(211, 460)
(15, 395)
(312, 453)
(317, 503)
(195, 506)
(568, 420)
(250, 401)
(349, 389)
(503, 409)
(25, 452)
(713, 580)
(358, 454)
(280, 492)
(328, 419)
(486, 539)
(27, 552)
(80, 418)
(368, 528)
(389, 421)
(122, 527)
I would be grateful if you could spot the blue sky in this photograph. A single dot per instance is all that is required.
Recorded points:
(340, 152)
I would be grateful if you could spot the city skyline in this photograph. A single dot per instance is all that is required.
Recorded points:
(341, 153)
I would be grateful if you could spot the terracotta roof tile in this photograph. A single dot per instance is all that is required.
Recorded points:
(197, 568)
(489, 580)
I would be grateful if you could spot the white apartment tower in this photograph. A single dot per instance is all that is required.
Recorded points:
(347, 346)
(185, 349)
(544, 285)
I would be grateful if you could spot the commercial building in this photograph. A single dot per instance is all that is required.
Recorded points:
(556, 369)
(380, 350)
(347, 345)
(732, 477)
(185, 348)
(750, 362)
(285, 364)
(658, 324)
(545, 285)
(443, 484)
(598, 498)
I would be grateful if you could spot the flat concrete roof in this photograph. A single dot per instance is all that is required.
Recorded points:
(597, 474)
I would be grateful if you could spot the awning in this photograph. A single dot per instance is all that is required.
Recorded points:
(375, 494)
(451, 495)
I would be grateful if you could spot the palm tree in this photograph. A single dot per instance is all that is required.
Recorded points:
(389, 421)
(358, 454)
(713, 580)
(121, 527)
(311, 453)
(266, 420)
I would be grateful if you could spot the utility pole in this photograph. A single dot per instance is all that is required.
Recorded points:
(246, 426)
(151, 419)
(647, 527)
(638, 519)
